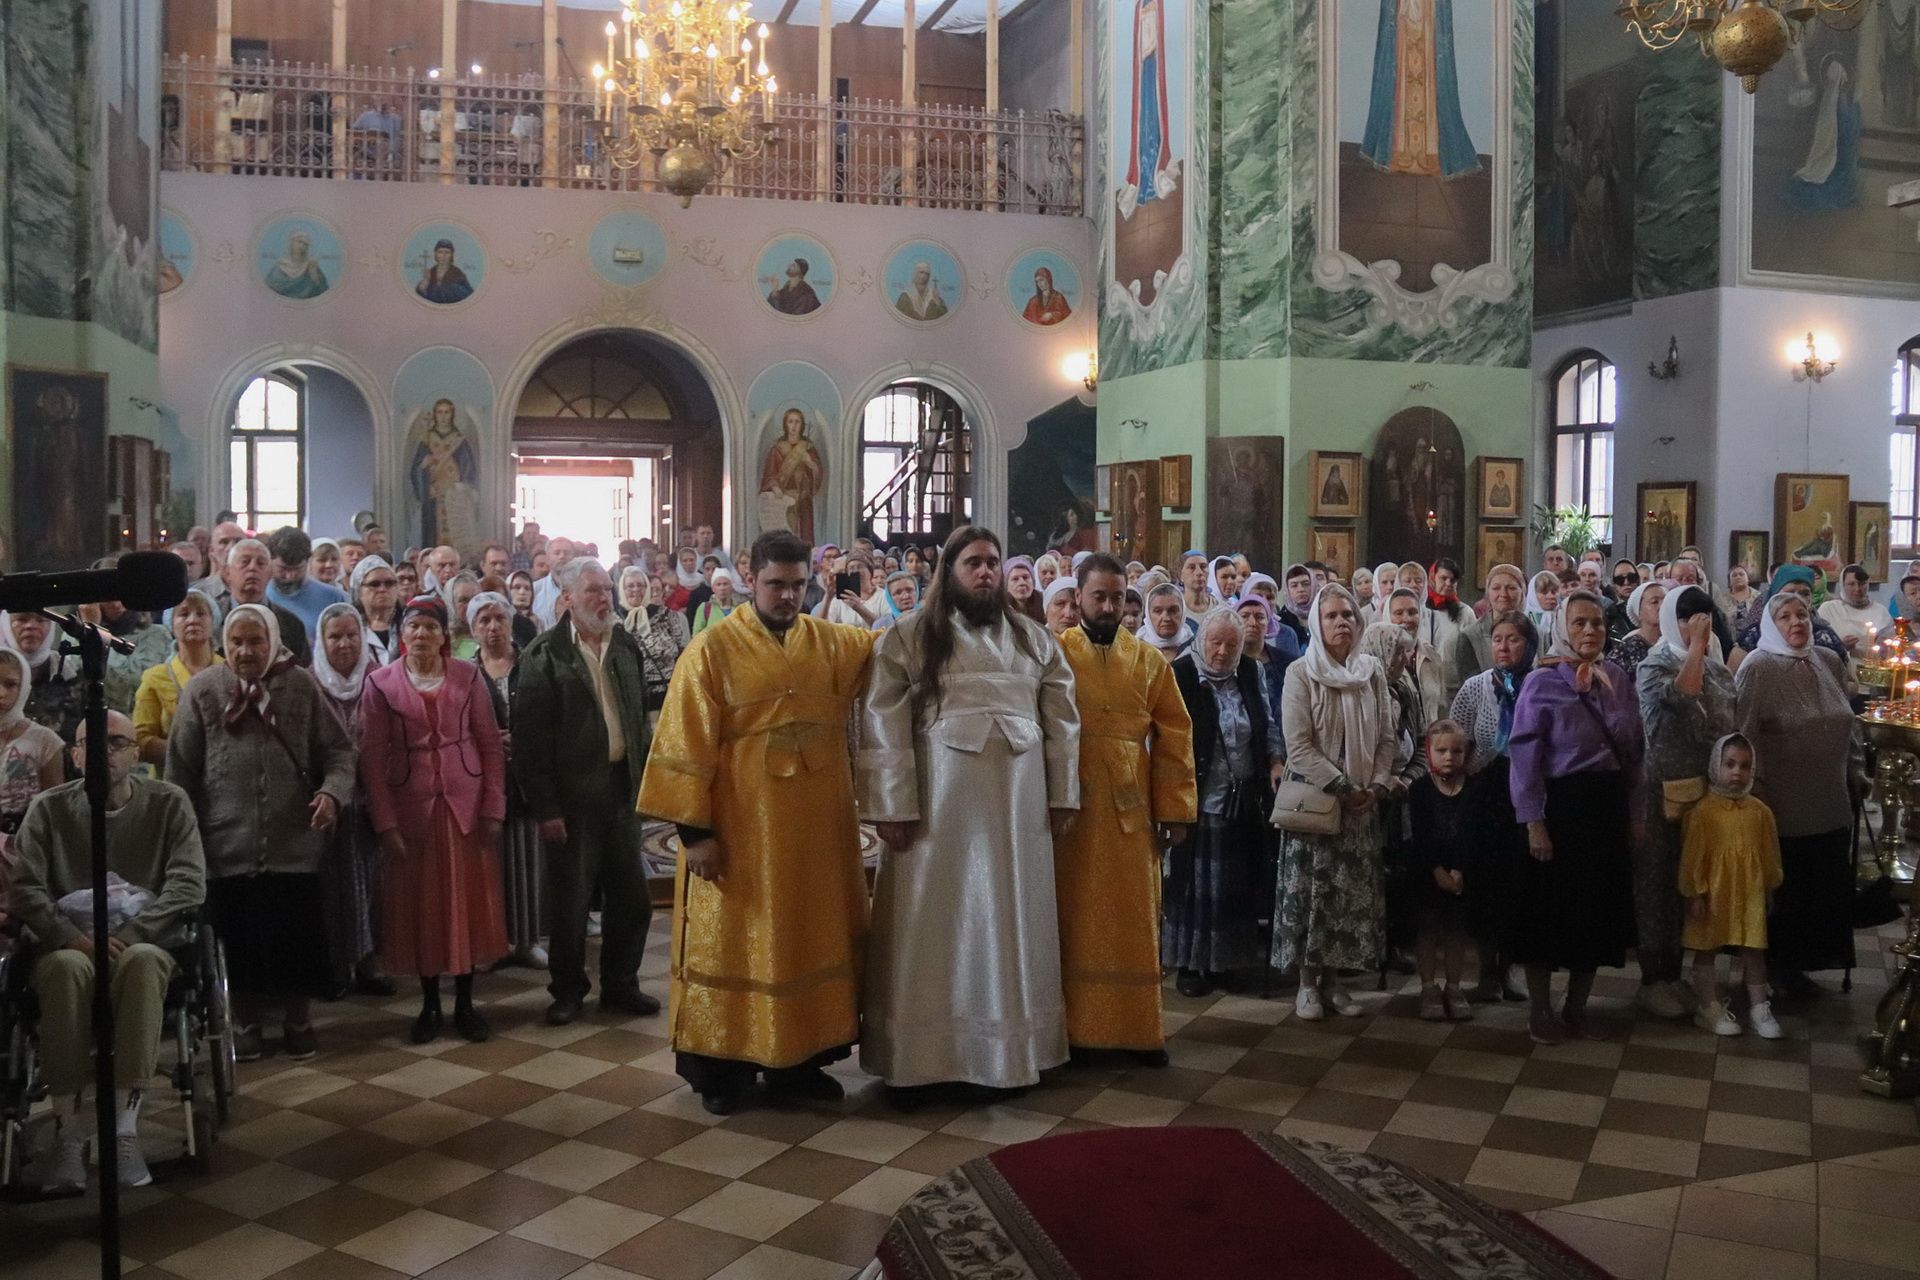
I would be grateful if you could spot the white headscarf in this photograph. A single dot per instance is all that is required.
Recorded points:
(1218, 616)
(1054, 588)
(18, 711)
(1634, 600)
(485, 600)
(49, 650)
(1671, 637)
(1350, 683)
(1213, 579)
(366, 566)
(266, 618)
(1080, 557)
(338, 687)
(689, 578)
(1716, 768)
(1170, 647)
(1771, 638)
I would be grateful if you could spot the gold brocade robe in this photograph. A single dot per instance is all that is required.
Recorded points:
(1107, 868)
(752, 744)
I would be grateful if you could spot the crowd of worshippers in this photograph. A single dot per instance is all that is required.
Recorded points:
(370, 766)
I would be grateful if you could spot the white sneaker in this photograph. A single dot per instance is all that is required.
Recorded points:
(1765, 1025)
(1657, 998)
(1715, 1018)
(133, 1161)
(536, 957)
(1343, 1004)
(1306, 1005)
(66, 1159)
(593, 924)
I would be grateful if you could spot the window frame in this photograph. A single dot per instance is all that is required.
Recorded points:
(1906, 421)
(250, 437)
(1587, 432)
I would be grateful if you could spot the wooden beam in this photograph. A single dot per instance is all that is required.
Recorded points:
(938, 14)
(861, 16)
(786, 10)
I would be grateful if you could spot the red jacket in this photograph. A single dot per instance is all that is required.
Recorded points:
(401, 771)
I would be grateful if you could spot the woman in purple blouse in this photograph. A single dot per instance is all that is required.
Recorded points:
(1575, 748)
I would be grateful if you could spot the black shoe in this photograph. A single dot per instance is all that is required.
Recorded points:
(563, 1010)
(720, 1102)
(812, 1085)
(1192, 982)
(427, 1026)
(637, 1003)
(1151, 1057)
(469, 1023)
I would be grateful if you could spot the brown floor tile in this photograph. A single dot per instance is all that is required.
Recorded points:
(1567, 1076)
(496, 1054)
(1280, 1068)
(1540, 1137)
(501, 1201)
(506, 1258)
(1057, 1099)
(1603, 1182)
(1790, 1049)
(1457, 1091)
(1749, 1219)
(1514, 1044)
(1180, 1083)
(659, 1188)
(1832, 1142)
(1667, 1062)
(1717, 1161)
(1390, 1053)
(1836, 1082)
(1204, 1116)
(1517, 1201)
(1655, 1119)
(347, 1154)
(614, 1045)
(156, 1231)
(628, 1086)
(821, 1175)
(779, 1123)
(494, 1096)
(1073, 1124)
(938, 1152)
(359, 1105)
(933, 1115)
(1242, 1035)
(332, 1265)
(367, 1062)
(1755, 1100)
(497, 1144)
(677, 1251)
(837, 1232)
(642, 1133)
(335, 1215)
(1446, 1160)
(1356, 1111)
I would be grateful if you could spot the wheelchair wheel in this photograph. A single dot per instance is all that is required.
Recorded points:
(218, 1034)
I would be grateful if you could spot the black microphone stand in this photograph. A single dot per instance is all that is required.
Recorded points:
(90, 643)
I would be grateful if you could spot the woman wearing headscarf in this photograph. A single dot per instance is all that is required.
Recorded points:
(1263, 585)
(1743, 601)
(1424, 669)
(350, 873)
(1061, 602)
(1442, 618)
(375, 589)
(902, 596)
(1643, 610)
(1338, 718)
(686, 579)
(661, 632)
(1257, 629)
(1166, 625)
(1795, 579)
(1021, 587)
(1686, 705)
(324, 563)
(58, 697)
(1542, 606)
(526, 627)
(32, 758)
(1208, 909)
(1045, 570)
(1361, 584)
(1386, 576)
(1503, 592)
(725, 599)
(158, 697)
(269, 769)
(1576, 747)
(522, 853)
(435, 780)
(1392, 648)
(1791, 701)
(456, 594)
(1223, 579)
(1484, 707)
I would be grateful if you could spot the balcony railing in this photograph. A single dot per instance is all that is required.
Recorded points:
(374, 124)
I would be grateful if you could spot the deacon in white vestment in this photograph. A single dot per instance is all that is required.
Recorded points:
(968, 761)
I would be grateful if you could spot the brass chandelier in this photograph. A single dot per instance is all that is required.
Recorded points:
(1746, 37)
(687, 82)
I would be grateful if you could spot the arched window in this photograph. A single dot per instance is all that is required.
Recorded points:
(1580, 424)
(266, 451)
(1902, 457)
(916, 463)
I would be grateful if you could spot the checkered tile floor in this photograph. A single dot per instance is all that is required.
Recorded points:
(575, 1152)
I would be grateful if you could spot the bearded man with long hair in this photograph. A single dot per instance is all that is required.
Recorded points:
(968, 766)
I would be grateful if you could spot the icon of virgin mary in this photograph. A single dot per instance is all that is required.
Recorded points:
(1414, 124)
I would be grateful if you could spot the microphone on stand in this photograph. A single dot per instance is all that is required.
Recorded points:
(145, 580)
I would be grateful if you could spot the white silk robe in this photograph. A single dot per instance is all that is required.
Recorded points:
(963, 962)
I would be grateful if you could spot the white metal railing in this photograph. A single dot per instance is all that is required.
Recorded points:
(379, 124)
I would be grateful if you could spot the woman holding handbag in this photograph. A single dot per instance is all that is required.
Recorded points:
(1686, 705)
(1340, 722)
(1208, 901)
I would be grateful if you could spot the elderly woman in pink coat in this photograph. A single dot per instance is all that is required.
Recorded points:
(435, 781)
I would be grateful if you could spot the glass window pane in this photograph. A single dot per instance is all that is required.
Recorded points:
(1609, 393)
(1600, 473)
(1899, 400)
(251, 413)
(1569, 481)
(237, 496)
(1589, 392)
(1913, 382)
(1564, 410)
(277, 475)
(283, 406)
(1900, 472)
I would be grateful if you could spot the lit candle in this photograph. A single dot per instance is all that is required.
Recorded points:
(609, 44)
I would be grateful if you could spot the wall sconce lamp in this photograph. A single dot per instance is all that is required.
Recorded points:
(1083, 367)
(1813, 357)
(1433, 521)
(1668, 369)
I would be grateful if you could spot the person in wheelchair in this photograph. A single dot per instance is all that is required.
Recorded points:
(153, 843)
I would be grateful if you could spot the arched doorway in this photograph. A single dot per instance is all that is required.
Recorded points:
(291, 429)
(617, 436)
(916, 464)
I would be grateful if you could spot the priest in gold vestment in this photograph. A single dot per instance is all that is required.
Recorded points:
(1136, 770)
(751, 761)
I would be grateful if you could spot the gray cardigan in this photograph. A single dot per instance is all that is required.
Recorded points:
(252, 787)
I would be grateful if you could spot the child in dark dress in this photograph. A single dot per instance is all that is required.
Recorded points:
(1443, 809)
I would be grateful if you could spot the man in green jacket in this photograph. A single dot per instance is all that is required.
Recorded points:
(152, 844)
(580, 741)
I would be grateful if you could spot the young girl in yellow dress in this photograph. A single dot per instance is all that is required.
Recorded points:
(1729, 868)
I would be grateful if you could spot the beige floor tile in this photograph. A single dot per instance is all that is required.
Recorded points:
(1378, 1082)
(1674, 1091)
(421, 1177)
(548, 1037)
(1556, 1105)
(1869, 1238)
(1851, 1186)
(1266, 1097)
(261, 1189)
(728, 1154)
(1788, 1137)
(1898, 1159)
(428, 1078)
(769, 1263)
(1703, 1258)
(1627, 1250)
(250, 1252)
(273, 1136)
(1673, 1035)
(1339, 1135)
(1198, 1055)
(1306, 1044)
(1251, 1009)
(1470, 1064)
(1794, 1182)
(291, 1087)
(883, 1190)
(681, 1104)
(567, 1114)
(585, 1226)
(1659, 1208)
(575, 1166)
(743, 1209)
(1171, 1022)
(1002, 1125)
(1517, 1171)
(1877, 1115)
(601, 1271)
(1762, 1220)
(1581, 1053)
(418, 1241)
(1407, 1031)
(67, 1260)
(1130, 1110)
(1844, 1056)
(424, 1124)
(1761, 1071)
(558, 1069)
(859, 1139)
(1647, 1152)
(1446, 1124)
